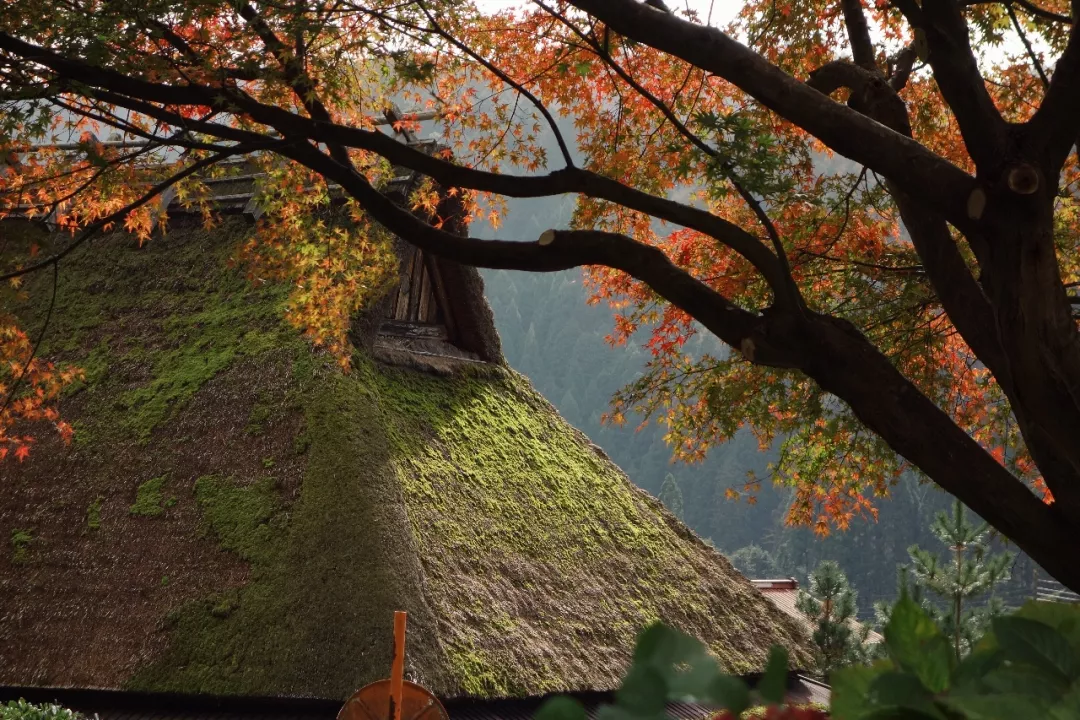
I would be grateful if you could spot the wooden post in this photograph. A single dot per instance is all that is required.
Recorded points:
(397, 667)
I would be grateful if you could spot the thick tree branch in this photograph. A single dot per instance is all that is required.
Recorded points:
(1055, 124)
(901, 68)
(292, 66)
(956, 71)
(969, 309)
(790, 294)
(830, 351)
(925, 175)
(862, 48)
(138, 96)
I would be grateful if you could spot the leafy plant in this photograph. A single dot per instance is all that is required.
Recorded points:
(22, 710)
(1026, 666)
(670, 666)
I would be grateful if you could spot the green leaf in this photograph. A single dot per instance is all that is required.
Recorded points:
(850, 691)
(1068, 706)
(1025, 680)
(773, 684)
(902, 690)
(614, 712)
(996, 706)
(973, 668)
(682, 661)
(1064, 617)
(643, 692)
(1035, 643)
(561, 707)
(916, 644)
(729, 693)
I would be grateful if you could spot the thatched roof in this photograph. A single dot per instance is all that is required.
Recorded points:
(237, 517)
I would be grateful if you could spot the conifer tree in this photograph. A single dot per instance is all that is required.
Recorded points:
(831, 607)
(967, 573)
(671, 495)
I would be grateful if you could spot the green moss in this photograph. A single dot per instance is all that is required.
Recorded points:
(151, 327)
(230, 329)
(93, 514)
(95, 367)
(260, 414)
(327, 571)
(483, 444)
(20, 544)
(149, 498)
(241, 516)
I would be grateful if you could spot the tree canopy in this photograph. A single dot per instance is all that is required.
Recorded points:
(907, 308)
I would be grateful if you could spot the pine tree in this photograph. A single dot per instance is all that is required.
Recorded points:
(671, 496)
(830, 606)
(967, 573)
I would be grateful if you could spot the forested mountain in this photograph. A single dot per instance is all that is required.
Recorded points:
(552, 335)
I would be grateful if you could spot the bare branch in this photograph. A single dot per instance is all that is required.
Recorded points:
(1027, 45)
(1055, 122)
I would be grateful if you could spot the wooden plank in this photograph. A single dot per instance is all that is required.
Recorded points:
(405, 290)
(414, 287)
(393, 114)
(417, 331)
(167, 196)
(423, 315)
(253, 209)
(441, 297)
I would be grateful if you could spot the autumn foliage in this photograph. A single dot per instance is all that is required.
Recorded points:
(872, 204)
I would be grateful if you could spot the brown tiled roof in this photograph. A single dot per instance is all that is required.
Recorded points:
(784, 594)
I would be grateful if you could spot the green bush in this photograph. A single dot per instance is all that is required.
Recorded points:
(22, 710)
(1026, 667)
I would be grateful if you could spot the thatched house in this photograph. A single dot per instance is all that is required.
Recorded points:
(237, 518)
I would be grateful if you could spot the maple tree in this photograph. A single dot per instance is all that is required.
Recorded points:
(908, 309)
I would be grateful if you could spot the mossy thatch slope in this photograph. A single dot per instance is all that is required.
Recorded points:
(237, 517)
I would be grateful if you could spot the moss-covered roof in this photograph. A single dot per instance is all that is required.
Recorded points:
(237, 517)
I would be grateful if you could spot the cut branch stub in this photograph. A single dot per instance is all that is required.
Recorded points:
(1023, 179)
(547, 237)
(747, 349)
(976, 204)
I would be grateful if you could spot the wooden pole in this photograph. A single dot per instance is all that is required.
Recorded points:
(397, 668)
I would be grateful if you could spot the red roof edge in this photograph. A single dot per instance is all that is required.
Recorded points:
(777, 584)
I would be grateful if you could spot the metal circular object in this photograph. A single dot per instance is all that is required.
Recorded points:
(372, 702)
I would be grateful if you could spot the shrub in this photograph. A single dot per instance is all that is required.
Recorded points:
(22, 710)
(1026, 666)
